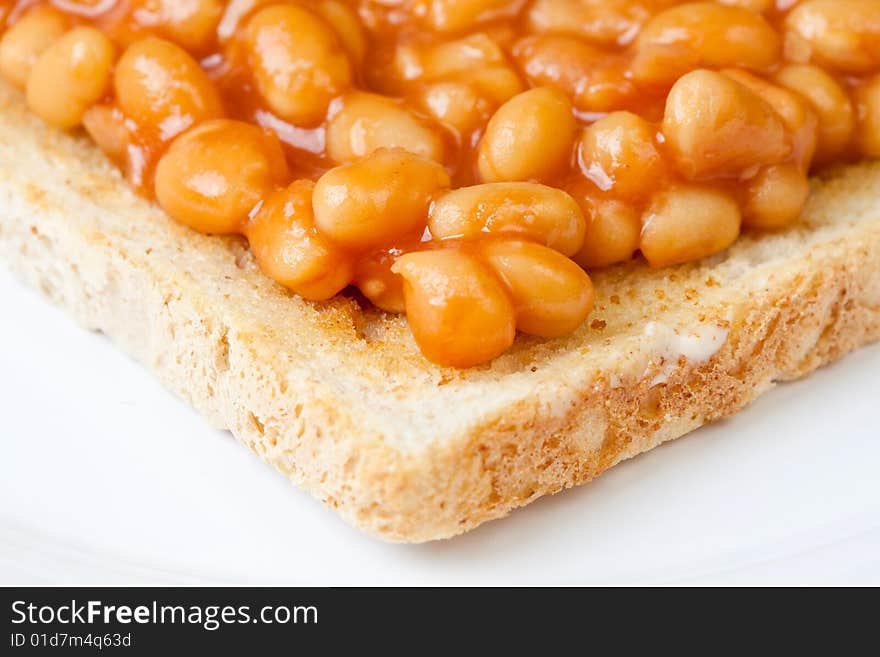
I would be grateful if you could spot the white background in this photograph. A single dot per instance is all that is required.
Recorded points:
(105, 478)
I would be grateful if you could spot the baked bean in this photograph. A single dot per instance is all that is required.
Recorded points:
(80, 8)
(459, 311)
(612, 231)
(157, 83)
(446, 58)
(552, 296)
(460, 15)
(381, 198)
(70, 76)
(605, 22)
(530, 137)
(545, 214)
(456, 104)
(868, 100)
(215, 174)
(617, 153)
(190, 23)
(503, 33)
(688, 222)
(797, 114)
(497, 84)
(235, 15)
(290, 250)
(759, 6)
(703, 34)
(347, 25)
(374, 278)
(775, 197)
(475, 60)
(27, 39)
(715, 126)
(594, 79)
(366, 122)
(830, 102)
(297, 61)
(106, 126)
(837, 34)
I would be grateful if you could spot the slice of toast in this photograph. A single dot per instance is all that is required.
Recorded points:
(337, 396)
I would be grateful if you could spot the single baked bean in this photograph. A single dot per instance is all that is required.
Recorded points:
(190, 23)
(457, 104)
(347, 25)
(530, 137)
(215, 174)
(503, 33)
(374, 278)
(618, 154)
(297, 61)
(594, 79)
(80, 8)
(830, 102)
(868, 100)
(836, 34)
(759, 6)
(106, 126)
(604, 22)
(545, 214)
(290, 250)
(475, 60)
(612, 231)
(460, 15)
(703, 34)
(786, 5)
(437, 61)
(378, 199)
(775, 197)
(552, 296)
(157, 83)
(715, 126)
(235, 15)
(797, 114)
(497, 84)
(688, 222)
(70, 76)
(366, 122)
(27, 39)
(459, 311)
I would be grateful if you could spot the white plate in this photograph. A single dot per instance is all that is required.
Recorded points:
(105, 478)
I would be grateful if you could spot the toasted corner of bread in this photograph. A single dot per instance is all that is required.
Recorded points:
(337, 396)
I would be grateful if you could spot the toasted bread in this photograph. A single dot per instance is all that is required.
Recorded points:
(337, 396)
